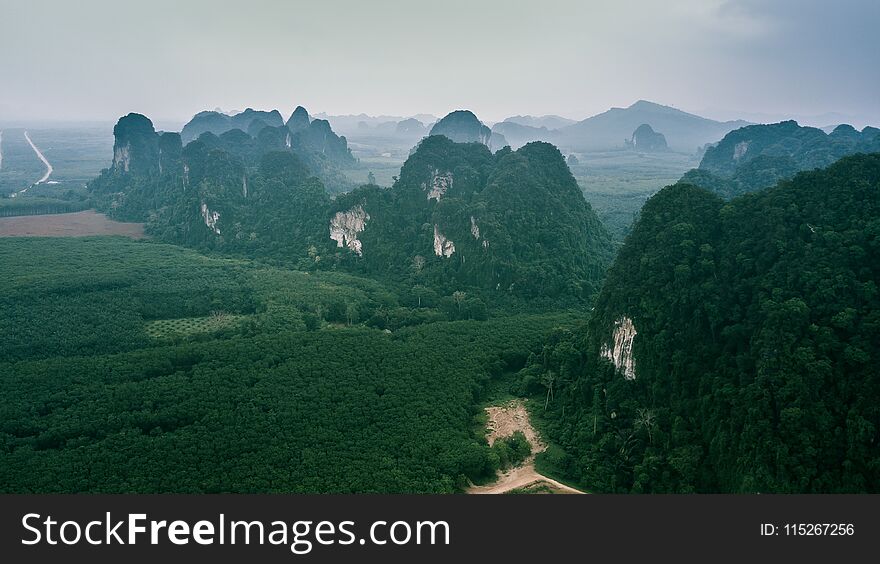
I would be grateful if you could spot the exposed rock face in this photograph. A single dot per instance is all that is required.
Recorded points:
(345, 227)
(462, 126)
(439, 184)
(475, 228)
(620, 351)
(644, 138)
(443, 247)
(740, 149)
(211, 218)
(136, 146)
(299, 120)
(122, 158)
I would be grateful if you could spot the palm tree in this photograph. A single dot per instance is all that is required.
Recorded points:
(548, 380)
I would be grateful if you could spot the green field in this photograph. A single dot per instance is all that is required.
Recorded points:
(617, 183)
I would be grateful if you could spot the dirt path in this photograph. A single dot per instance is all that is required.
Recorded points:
(42, 157)
(504, 421)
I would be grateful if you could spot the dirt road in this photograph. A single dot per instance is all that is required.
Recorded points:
(42, 157)
(504, 421)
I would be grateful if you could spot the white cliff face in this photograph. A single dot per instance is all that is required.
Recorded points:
(345, 226)
(122, 157)
(620, 352)
(440, 183)
(287, 141)
(244, 186)
(740, 149)
(211, 218)
(443, 247)
(475, 229)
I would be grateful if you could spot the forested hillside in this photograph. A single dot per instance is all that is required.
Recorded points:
(458, 218)
(759, 156)
(142, 367)
(512, 222)
(734, 346)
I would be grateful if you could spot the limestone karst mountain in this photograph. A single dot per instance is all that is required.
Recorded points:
(299, 120)
(645, 139)
(513, 221)
(458, 216)
(758, 156)
(217, 123)
(462, 126)
(732, 345)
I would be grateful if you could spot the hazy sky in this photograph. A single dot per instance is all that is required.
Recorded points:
(96, 59)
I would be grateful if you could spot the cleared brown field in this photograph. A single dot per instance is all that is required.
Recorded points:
(78, 224)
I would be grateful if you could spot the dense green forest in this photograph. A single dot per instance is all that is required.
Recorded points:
(743, 340)
(142, 367)
(758, 156)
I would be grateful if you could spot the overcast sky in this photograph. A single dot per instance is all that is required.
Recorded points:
(97, 59)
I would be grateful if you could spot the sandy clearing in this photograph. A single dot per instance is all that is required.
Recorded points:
(78, 224)
(504, 421)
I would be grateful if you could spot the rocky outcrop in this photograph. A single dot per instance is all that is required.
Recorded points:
(443, 247)
(439, 183)
(320, 138)
(136, 145)
(345, 227)
(211, 218)
(299, 120)
(644, 138)
(620, 350)
(462, 126)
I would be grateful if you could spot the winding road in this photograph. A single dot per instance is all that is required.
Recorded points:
(42, 157)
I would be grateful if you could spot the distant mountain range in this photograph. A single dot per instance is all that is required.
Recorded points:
(615, 128)
(683, 131)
